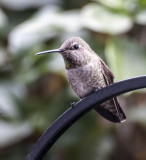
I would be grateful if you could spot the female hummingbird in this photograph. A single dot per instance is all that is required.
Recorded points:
(87, 72)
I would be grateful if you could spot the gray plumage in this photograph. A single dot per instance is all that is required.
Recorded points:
(87, 72)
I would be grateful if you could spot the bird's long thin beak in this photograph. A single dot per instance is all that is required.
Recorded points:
(49, 51)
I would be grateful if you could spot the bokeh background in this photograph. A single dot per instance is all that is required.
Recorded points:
(34, 90)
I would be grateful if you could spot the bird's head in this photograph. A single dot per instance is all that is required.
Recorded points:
(75, 52)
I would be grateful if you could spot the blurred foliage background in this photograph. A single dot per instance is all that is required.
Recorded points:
(34, 90)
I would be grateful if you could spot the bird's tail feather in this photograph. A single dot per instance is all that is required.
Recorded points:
(111, 110)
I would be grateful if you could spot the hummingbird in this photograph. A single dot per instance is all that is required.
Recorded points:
(87, 72)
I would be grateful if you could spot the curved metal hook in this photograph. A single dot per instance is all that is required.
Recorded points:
(61, 124)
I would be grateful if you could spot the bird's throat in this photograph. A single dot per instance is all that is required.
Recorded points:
(72, 64)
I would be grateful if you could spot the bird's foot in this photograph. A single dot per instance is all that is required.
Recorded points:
(72, 105)
(96, 89)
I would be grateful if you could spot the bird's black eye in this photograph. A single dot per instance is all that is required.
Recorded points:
(76, 46)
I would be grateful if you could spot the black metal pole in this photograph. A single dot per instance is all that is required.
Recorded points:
(61, 124)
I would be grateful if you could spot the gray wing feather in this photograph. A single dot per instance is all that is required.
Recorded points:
(111, 109)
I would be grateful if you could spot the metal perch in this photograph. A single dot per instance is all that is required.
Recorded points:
(71, 115)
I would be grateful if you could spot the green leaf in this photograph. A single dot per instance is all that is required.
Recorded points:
(126, 58)
(25, 4)
(141, 17)
(13, 133)
(128, 5)
(3, 20)
(99, 19)
(46, 24)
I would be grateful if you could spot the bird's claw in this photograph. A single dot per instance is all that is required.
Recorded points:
(72, 104)
(96, 89)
